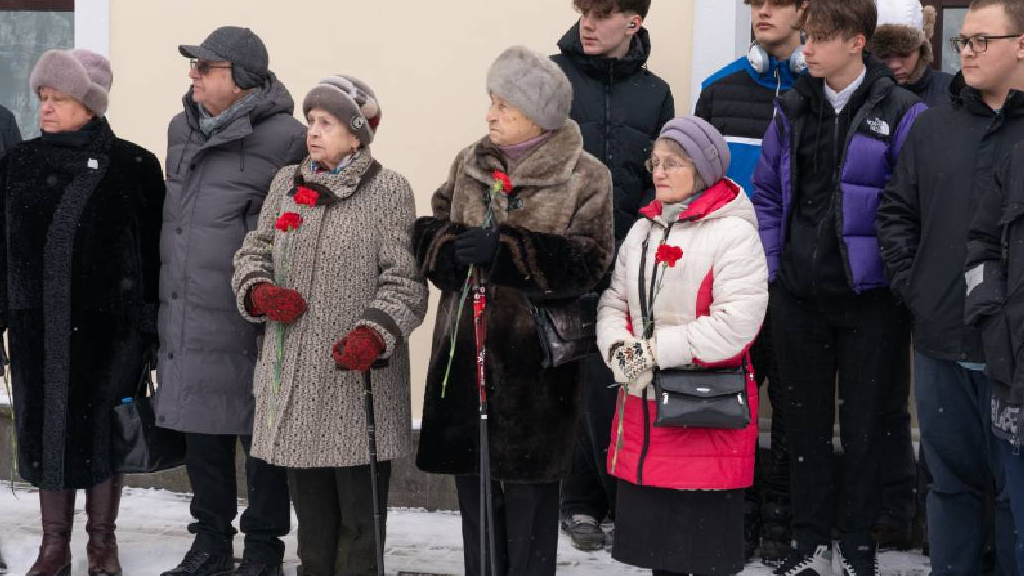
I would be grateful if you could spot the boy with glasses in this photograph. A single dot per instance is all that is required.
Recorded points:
(620, 107)
(739, 101)
(825, 159)
(949, 165)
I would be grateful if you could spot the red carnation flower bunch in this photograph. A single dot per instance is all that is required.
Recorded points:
(665, 257)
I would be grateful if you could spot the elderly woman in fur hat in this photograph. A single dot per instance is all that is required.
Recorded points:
(81, 212)
(330, 269)
(531, 212)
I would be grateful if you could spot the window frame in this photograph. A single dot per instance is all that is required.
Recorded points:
(937, 41)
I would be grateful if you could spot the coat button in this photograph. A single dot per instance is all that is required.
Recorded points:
(174, 295)
(170, 355)
(963, 356)
(178, 230)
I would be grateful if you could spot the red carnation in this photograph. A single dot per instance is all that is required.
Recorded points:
(668, 255)
(506, 182)
(288, 221)
(306, 196)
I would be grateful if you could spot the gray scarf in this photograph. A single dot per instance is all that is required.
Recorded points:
(210, 124)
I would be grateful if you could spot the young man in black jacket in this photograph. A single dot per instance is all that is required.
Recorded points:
(620, 107)
(947, 167)
(739, 101)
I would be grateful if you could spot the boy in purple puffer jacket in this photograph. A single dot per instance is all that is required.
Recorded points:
(825, 160)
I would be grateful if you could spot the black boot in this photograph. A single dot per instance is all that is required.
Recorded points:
(57, 509)
(200, 563)
(101, 504)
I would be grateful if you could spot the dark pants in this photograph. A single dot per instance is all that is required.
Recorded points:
(771, 481)
(899, 469)
(589, 489)
(210, 463)
(525, 527)
(865, 339)
(1013, 464)
(954, 414)
(335, 511)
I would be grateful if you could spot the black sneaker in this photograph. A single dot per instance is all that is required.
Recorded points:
(858, 560)
(890, 536)
(199, 563)
(817, 563)
(584, 531)
(774, 552)
(253, 568)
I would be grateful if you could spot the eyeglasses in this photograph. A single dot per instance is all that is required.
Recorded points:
(204, 67)
(977, 43)
(669, 167)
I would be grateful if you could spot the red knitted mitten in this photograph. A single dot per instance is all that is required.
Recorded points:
(279, 304)
(359, 349)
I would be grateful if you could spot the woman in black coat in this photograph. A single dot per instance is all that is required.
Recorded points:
(81, 217)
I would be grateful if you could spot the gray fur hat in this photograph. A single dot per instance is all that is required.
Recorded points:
(704, 145)
(532, 83)
(82, 74)
(350, 100)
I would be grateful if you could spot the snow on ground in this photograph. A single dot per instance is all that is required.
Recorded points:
(152, 538)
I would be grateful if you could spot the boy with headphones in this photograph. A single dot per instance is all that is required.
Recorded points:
(739, 101)
(620, 107)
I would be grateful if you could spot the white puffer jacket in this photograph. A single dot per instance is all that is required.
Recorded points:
(712, 302)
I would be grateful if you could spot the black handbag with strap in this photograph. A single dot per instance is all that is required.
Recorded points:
(694, 397)
(566, 332)
(139, 445)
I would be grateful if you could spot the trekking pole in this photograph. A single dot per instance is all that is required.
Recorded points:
(488, 548)
(371, 436)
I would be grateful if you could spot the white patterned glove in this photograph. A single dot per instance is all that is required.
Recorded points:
(632, 363)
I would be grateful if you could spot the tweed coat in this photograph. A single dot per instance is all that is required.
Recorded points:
(556, 242)
(351, 260)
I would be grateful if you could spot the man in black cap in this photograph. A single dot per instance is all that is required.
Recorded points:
(235, 133)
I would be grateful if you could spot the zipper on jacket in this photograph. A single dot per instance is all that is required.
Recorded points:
(647, 439)
(608, 112)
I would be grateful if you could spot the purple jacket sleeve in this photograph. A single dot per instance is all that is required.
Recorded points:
(768, 195)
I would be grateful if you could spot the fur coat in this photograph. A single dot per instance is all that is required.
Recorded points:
(78, 297)
(556, 242)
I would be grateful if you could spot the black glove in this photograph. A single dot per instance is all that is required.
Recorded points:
(476, 246)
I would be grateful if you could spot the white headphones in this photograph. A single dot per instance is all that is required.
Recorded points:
(632, 24)
(760, 61)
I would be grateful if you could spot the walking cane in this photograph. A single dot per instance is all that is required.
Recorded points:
(371, 436)
(487, 544)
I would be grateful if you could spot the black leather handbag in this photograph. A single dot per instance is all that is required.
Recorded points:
(694, 397)
(568, 332)
(139, 446)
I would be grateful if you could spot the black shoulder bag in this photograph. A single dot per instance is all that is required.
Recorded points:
(566, 332)
(139, 446)
(693, 397)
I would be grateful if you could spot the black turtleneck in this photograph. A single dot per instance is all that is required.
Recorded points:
(74, 138)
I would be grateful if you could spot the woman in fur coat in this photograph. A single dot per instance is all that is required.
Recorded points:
(330, 266)
(680, 494)
(549, 240)
(81, 215)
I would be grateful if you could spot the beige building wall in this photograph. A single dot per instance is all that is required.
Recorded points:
(425, 60)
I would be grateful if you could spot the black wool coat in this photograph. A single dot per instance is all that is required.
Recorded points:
(78, 297)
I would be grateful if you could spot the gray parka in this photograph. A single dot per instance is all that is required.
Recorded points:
(215, 190)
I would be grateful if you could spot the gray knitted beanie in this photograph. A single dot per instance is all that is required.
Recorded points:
(81, 74)
(532, 83)
(702, 143)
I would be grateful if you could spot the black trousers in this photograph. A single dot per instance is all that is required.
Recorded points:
(899, 468)
(210, 463)
(589, 489)
(525, 527)
(771, 479)
(335, 511)
(866, 340)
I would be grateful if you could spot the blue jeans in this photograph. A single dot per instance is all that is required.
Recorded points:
(1014, 466)
(955, 418)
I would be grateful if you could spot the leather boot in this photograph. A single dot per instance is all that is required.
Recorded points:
(57, 509)
(101, 504)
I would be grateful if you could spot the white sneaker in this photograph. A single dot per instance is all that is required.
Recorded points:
(800, 564)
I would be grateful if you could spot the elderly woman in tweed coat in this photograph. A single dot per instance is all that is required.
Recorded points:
(330, 269)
